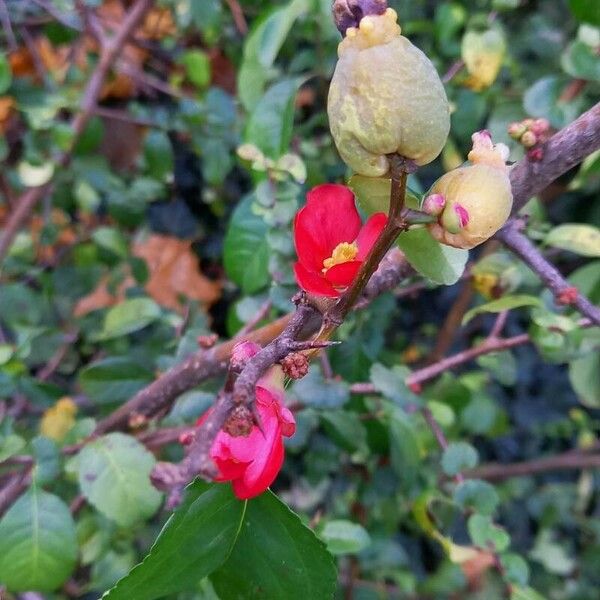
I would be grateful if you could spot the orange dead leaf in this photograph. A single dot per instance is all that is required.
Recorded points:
(476, 567)
(174, 272)
(101, 297)
(6, 108)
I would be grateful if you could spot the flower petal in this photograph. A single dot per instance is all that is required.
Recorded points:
(256, 480)
(313, 283)
(288, 423)
(328, 219)
(343, 274)
(369, 234)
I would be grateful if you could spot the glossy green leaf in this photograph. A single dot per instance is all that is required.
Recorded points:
(373, 194)
(246, 251)
(587, 11)
(479, 496)
(261, 49)
(275, 556)
(314, 390)
(114, 379)
(158, 154)
(438, 262)
(500, 305)
(114, 476)
(5, 73)
(197, 539)
(405, 450)
(581, 61)
(584, 375)
(197, 67)
(129, 316)
(344, 537)
(38, 545)
(392, 384)
(270, 124)
(576, 237)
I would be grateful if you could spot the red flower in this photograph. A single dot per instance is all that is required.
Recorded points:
(330, 242)
(251, 463)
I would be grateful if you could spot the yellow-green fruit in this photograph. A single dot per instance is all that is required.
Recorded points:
(482, 189)
(385, 97)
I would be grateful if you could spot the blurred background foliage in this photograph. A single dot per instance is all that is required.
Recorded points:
(173, 221)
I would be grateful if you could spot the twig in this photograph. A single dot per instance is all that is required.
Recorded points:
(518, 243)
(559, 462)
(45, 372)
(109, 53)
(238, 16)
(6, 25)
(454, 69)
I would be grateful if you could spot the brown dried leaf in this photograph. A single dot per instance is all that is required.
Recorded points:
(475, 568)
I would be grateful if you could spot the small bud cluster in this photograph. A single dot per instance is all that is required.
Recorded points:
(531, 134)
(295, 365)
(567, 297)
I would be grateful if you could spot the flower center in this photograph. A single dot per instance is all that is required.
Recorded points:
(342, 253)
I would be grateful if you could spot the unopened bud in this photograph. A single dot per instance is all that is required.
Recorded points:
(567, 297)
(516, 130)
(242, 352)
(455, 218)
(295, 365)
(415, 387)
(535, 154)
(528, 123)
(186, 438)
(540, 127)
(348, 13)
(207, 341)
(434, 204)
(529, 139)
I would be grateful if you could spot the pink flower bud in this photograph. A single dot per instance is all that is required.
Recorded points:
(455, 218)
(434, 204)
(540, 126)
(242, 352)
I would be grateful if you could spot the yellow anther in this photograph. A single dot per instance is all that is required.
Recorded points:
(342, 253)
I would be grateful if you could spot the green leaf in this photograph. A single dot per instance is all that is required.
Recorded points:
(270, 125)
(587, 11)
(542, 99)
(438, 262)
(405, 450)
(373, 194)
(581, 239)
(261, 48)
(392, 384)
(516, 568)
(525, 593)
(5, 73)
(196, 539)
(317, 392)
(500, 305)
(345, 429)
(114, 476)
(129, 316)
(197, 67)
(111, 239)
(158, 154)
(457, 457)
(246, 250)
(580, 60)
(275, 556)
(344, 537)
(114, 379)
(38, 545)
(486, 534)
(583, 374)
(476, 495)
(10, 445)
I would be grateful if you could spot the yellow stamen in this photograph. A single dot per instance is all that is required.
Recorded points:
(342, 253)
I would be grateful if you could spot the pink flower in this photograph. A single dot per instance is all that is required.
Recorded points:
(252, 462)
(331, 241)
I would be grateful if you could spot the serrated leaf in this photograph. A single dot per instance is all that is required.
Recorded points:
(344, 537)
(38, 545)
(246, 251)
(438, 262)
(275, 556)
(502, 304)
(196, 539)
(575, 237)
(114, 476)
(114, 379)
(129, 316)
(457, 457)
